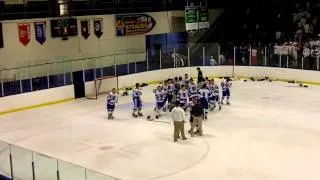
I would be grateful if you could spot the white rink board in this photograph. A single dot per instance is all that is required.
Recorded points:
(36, 98)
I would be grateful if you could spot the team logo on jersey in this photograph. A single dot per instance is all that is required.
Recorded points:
(98, 27)
(40, 31)
(85, 28)
(24, 33)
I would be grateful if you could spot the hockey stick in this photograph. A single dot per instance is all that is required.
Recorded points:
(161, 121)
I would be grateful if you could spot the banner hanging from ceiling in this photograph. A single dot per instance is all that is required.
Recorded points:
(196, 18)
(98, 27)
(24, 33)
(133, 24)
(204, 23)
(85, 28)
(40, 32)
(191, 18)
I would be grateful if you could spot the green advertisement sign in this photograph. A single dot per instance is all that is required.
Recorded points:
(192, 19)
(197, 18)
(204, 23)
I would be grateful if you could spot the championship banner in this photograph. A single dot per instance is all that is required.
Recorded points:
(191, 18)
(40, 31)
(1, 36)
(98, 27)
(24, 33)
(85, 28)
(133, 24)
(204, 23)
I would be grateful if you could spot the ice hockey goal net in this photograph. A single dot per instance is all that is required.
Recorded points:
(102, 86)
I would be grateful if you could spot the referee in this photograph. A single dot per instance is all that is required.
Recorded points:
(200, 77)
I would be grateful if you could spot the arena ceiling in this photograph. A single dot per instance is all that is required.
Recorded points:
(26, 9)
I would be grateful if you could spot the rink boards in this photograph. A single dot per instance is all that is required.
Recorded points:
(61, 94)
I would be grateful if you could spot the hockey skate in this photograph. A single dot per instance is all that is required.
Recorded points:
(213, 107)
(135, 115)
(140, 114)
(228, 103)
(164, 109)
(110, 116)
(220, 107)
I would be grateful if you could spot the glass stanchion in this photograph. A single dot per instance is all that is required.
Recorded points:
(196, 55)
(10, 82)
(154, 59)
(226, 56)
(56, 74)
(39, 75)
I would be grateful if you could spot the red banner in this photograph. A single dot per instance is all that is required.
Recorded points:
(24, 33)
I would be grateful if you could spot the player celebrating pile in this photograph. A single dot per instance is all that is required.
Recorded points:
(193, 89)
(204, 98)
(214, 97)
(112, 99)
(182, 97)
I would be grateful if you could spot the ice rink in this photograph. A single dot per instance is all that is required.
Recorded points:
(270, 132)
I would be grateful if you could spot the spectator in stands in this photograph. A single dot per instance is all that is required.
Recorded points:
(306, 54)
(222, 59)
(213, 62)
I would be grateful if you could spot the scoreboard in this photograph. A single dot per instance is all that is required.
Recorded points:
(64, 27)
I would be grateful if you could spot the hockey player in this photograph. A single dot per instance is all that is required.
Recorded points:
(137, 102)
(177, 85)
(186, 79)
(182, 97)
(160, 96)
(193, 89)
(204, 98)
(112, 99)
(225, 86)
(214, 97)
(170, 90)
(207, 81)
(165, 97)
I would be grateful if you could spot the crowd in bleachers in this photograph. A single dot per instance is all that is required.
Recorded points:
(276, 28)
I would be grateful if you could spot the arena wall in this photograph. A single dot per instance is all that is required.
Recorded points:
(36, 99)
(14, 54)
(45, 97)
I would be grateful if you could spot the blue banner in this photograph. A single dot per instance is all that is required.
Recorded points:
(40, 31)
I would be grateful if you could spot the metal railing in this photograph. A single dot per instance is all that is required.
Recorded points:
(54, 74)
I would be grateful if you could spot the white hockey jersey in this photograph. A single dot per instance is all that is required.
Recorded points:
(204, 93)
(137, 93)
(112, 98)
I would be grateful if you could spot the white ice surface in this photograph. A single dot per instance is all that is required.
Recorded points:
(271, 131)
